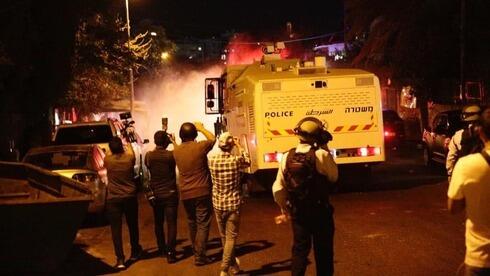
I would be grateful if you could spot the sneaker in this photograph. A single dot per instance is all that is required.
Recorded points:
(120, 264)
(203, 261)
(171, 258)
(136, 255)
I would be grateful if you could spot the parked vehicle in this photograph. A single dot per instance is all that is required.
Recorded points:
(394, 129)
(84, 163)
(101, 133)
(41, 213)
(85, 133)
(436, 138)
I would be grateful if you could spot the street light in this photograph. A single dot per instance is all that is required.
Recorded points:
(131, 83)
(164, 55)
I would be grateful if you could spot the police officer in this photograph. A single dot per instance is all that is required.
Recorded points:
(465, 140)
(311, 213)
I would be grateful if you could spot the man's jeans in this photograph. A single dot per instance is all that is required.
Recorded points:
(313, 222)
(228, 224)
(199, 212)
(166, 209)
(115, 208)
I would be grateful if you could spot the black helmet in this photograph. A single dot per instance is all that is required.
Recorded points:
(188, 132)
(312, 130)
(471, 113)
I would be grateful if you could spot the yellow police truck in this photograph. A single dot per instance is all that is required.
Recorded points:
(262, 102)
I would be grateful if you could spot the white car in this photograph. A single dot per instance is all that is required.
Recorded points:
(101, 133)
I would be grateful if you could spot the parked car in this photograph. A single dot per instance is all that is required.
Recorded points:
(101, 133)
(438, 134)
(394, 129)
(84, 163)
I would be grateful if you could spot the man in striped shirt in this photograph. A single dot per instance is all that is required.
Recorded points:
(225, 169)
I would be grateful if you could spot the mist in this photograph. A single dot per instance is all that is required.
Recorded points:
(178, 96)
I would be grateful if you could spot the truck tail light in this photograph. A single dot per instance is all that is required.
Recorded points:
(368, 151)
(356, 152)
(273, 157)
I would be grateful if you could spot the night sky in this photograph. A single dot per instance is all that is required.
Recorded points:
(259, 18)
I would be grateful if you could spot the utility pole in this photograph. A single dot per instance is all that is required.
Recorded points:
(131, 82)
(462, 40)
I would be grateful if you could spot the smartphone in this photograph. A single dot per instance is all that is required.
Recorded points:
(164, 123)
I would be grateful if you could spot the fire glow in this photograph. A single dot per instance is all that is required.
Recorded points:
(242, 49)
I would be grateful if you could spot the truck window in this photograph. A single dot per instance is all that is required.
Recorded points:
(59, 160)
(83, 135)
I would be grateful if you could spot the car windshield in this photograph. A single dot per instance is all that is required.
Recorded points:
(83, 135)
(59, 160)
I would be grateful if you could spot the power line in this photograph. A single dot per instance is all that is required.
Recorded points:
(288, 41)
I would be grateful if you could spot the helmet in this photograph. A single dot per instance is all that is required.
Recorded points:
(471, 113)
(312, 130)
(188, 132)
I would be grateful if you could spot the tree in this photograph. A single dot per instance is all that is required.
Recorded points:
(417, 41)
(102, 58)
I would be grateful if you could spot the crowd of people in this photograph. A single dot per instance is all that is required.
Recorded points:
(214, 185)
(301, 189)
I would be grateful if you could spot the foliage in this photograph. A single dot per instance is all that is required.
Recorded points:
(417, 40)
(102, 59)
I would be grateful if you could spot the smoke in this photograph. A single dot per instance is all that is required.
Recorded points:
(178, 96)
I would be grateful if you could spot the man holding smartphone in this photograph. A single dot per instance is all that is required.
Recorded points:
(226, 173)
(195, 185)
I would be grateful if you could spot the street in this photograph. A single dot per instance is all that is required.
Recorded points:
(398, 225)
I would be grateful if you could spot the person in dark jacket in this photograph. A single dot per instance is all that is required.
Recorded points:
(121, 199)
(161, 164)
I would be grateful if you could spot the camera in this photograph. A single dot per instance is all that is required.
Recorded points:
(128, 127)
(125, 115)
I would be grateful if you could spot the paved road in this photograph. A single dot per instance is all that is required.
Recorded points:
(396, 226)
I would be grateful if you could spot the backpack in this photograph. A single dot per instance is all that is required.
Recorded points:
(470, 142)
(300, 174)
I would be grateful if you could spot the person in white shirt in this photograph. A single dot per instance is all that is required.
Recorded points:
(469, 190)
(465, 140)
(309, 207)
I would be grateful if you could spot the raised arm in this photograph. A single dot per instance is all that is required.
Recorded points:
(208, 134)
